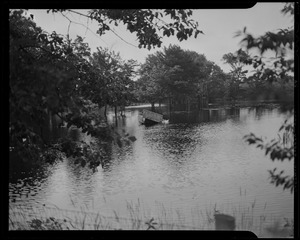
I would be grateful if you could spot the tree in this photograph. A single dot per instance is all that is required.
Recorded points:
(190, 68)
(179, 74)
(215, 82)
(237, 74)
(147, 24)
(151, 86)
(271, 69)
(173, 73)
(117, 86)
(51, 75)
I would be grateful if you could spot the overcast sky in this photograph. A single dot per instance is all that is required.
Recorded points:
(219, 27)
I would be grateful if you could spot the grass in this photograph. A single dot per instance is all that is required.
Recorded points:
(137, 218)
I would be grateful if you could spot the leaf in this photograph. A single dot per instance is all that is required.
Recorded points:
(281, 128)
(268, 150)
(259, 146)
(251, 141)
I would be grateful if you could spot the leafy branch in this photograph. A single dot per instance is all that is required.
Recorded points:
(281, 149)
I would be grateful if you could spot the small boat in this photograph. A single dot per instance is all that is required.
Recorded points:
(150, 118)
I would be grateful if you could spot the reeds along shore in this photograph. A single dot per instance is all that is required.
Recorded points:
(139, 218)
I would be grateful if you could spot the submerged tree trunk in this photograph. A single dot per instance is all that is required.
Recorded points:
(199, 102)
(123, 110)
(170, 104)
(50, 120)
(116, 112)
(105, 111)
(153, 107)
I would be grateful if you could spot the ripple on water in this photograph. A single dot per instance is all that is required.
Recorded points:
(176, 164)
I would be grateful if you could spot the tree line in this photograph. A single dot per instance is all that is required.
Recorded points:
(51, 74)
(177, 73)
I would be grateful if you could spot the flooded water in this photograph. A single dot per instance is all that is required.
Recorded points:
(197, 161)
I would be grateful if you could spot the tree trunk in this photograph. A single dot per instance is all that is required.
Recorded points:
(105, 111)
(152, 107)
(122, 111)
(116, 112)
(50, 120)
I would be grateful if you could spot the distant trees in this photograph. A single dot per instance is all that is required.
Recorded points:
(177, 73)
(237, 74)
(216, 83)
(152, 75)
(117, 85)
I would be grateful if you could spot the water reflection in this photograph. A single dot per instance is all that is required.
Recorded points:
(177, 140)
(205, 115)
(196, 159)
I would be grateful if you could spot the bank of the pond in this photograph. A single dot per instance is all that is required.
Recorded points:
(171, 168)
(139, 218)
(222, 104)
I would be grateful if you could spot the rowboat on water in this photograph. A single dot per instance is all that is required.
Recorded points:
(151, 118)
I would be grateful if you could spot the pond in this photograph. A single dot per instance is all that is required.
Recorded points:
(197, 161)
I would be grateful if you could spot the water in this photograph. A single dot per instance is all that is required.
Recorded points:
(197, 161)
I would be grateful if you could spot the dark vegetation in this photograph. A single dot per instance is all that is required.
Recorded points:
(276, 70)
(53, 75)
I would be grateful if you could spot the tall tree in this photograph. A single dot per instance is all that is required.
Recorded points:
(216, 82)
(154, 79)
(116, 75)
(237, 73)
(51, 74)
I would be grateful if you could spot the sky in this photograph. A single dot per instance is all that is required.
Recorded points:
(219, 27)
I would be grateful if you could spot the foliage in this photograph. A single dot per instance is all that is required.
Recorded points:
(51, 75)
(279, 69)
(237, 73)
(151, 224)
(216, 82)
(154, 74)
(281, 43)
(174, 72)
(147, 24)
(117, 87)
(192, 69)
(49, 224)
(281, 149)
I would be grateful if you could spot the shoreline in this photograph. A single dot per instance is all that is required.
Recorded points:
(220, 105)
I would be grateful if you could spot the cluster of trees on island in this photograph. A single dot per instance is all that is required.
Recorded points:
(175, 73)
(51, 74)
